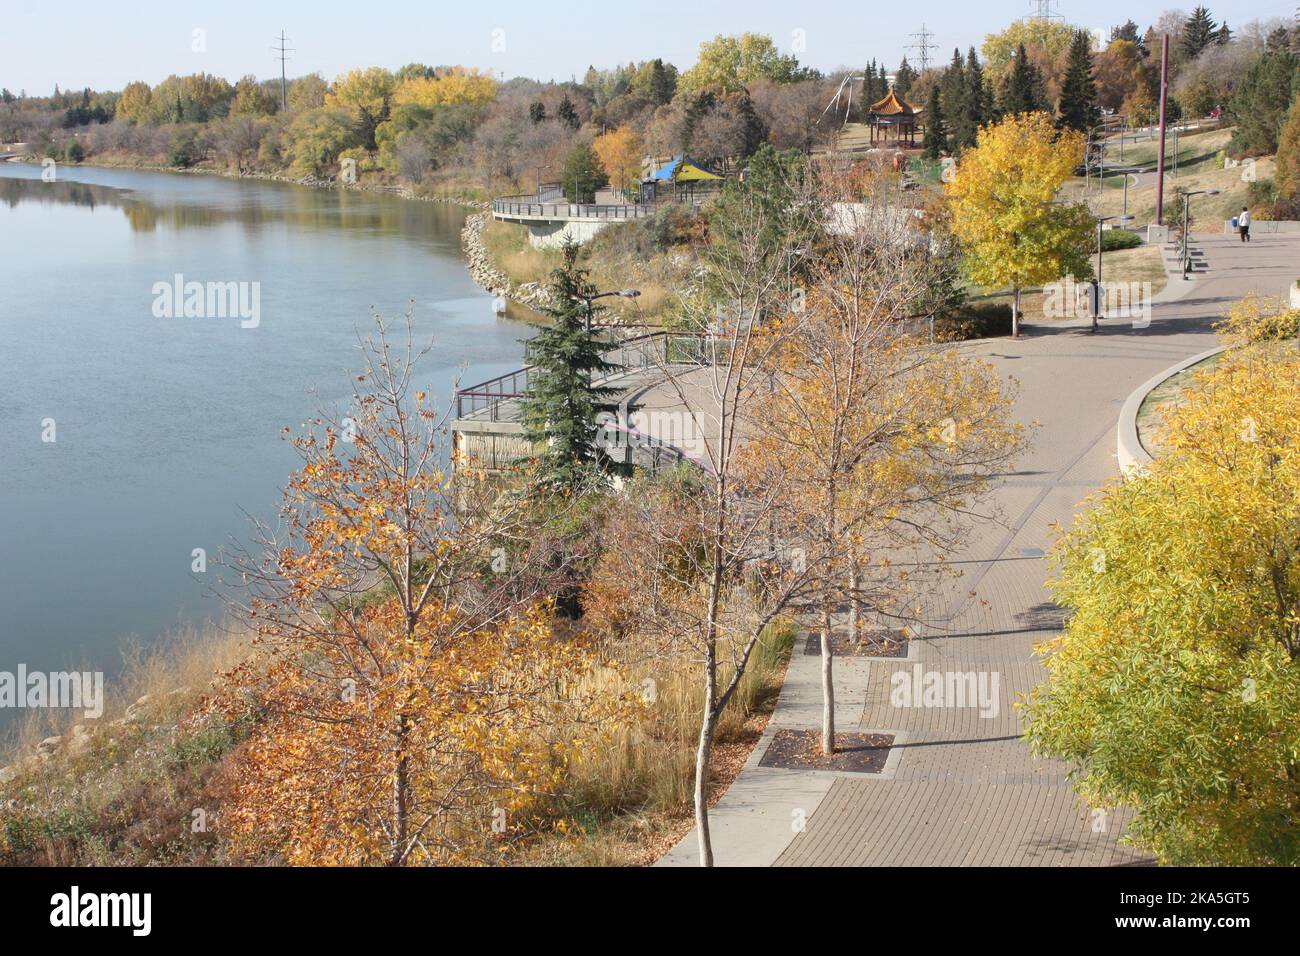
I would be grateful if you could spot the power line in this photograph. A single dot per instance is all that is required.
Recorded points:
(282, 51)
(922, 46)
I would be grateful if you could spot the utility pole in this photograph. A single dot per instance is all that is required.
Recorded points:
(1160, 162)
(282, 52)
(922, 46)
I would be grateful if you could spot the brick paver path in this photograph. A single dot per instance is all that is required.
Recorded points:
(964, 789)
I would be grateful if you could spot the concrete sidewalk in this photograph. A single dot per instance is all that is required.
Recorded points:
(963, 788)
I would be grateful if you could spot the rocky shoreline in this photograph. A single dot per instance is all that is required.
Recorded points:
(532, 295)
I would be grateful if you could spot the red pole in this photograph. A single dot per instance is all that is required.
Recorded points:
(1160, 163)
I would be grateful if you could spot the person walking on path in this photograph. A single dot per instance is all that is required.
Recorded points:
(1243, 224)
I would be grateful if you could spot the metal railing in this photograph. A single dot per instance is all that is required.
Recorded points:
(648, 350)
(528, 206)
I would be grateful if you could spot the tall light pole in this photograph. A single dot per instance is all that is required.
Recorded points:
(1160, 162)
(538, 171)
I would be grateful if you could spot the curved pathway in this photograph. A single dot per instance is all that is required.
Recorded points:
(961, 788)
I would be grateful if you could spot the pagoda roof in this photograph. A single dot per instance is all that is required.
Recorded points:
(891, 105)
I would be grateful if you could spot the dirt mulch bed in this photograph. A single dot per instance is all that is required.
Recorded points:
(801, 750)
(884, 643)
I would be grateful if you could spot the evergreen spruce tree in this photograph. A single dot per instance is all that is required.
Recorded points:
(953, 94)
(559, 414)
(568, 113)
(1078, 107)
(755, 130)
(1023, 92)
(979, 102)
(904, 78)
(1261, 103)
(662, 86)
(1198, 33)
(935, 138)
(582, 174)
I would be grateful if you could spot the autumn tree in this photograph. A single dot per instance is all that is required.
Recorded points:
(133, 103)
(620, 153)
(713, 583)
(410, 692)
(1175, 687)
(884, 443)
(251, 99)
(449, 87)
(1287, 170)
(727, 63)
(1004, 214)
(366, 95)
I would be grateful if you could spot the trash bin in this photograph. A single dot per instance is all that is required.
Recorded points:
(1234, 222)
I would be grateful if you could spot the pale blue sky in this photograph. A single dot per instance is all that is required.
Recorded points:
(107, 44)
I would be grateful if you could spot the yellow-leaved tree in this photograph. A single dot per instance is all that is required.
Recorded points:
(1175, 688)
(367, 95)
(1005, 215)
(620, 152)
(456, 86)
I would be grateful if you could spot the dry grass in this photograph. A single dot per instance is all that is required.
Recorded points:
(1140, 264)
(1197, 170)
(631, 801)
(124, 790)
(611, 265)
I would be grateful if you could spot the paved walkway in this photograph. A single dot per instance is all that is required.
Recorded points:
(963, 789)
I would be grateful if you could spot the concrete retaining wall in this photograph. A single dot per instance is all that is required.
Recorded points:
(1133, 458)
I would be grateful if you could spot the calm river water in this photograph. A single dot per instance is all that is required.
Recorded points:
(168, 429)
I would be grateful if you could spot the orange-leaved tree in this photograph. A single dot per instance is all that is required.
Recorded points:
(417, 706)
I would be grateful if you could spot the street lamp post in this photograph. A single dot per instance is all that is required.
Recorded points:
(538, 171)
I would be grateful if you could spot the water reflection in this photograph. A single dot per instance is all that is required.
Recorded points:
(254, 205)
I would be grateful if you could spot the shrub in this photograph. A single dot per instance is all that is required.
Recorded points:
(73, 153)
(1114, 239)
(183, 151)
(973, 321)
(1259, 319)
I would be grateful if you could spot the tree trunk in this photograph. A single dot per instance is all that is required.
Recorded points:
(853, 600)
(1015, 311)
(400, 785)
(828, 683)
(708, 722)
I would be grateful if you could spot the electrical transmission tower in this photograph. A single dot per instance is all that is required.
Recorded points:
(922, 46)
(1045, 10)
(282, 53)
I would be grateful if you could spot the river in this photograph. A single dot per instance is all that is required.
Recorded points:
(166, 431)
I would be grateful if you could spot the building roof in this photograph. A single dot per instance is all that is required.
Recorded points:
(683, 168)
(891, 105)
